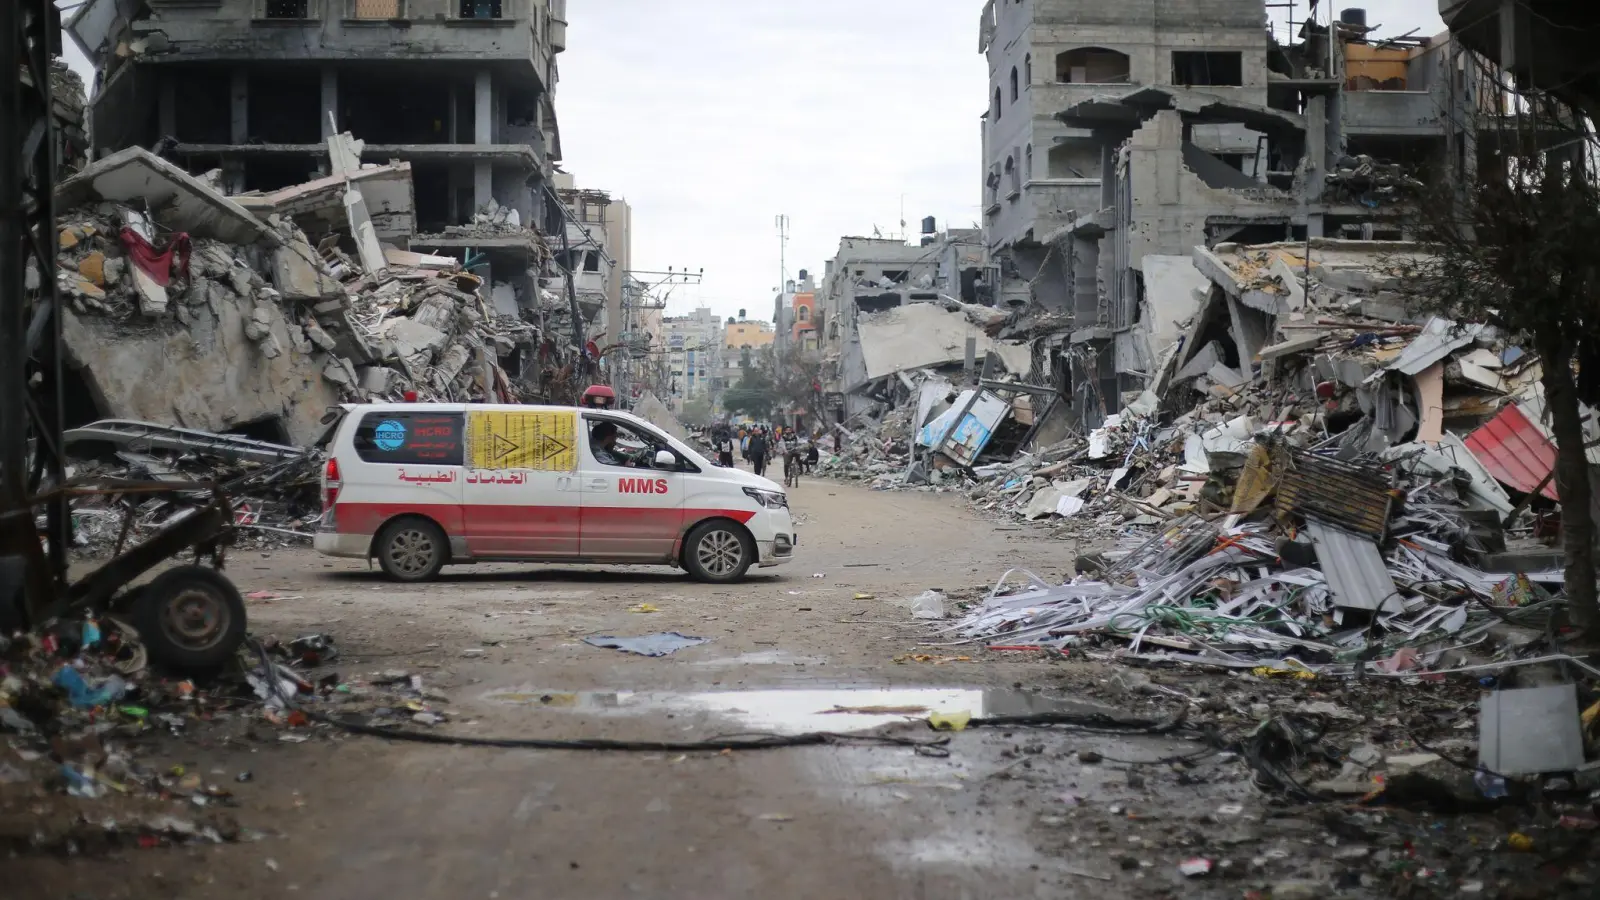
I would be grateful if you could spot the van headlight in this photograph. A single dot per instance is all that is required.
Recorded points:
(769, 499)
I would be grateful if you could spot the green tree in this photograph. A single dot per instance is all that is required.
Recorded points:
(697, 412)
(1517, 248)
(754, 395)
(796, 379)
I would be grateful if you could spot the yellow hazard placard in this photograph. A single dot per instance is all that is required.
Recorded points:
(546, 441)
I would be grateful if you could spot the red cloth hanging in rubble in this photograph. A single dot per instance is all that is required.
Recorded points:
(157, 263)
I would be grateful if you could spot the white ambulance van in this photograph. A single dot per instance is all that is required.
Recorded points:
(423, 485)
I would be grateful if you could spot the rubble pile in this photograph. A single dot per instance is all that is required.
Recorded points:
(189, 307)
(1259, 595)
(83, 717)
(421, 328)
(1313, 479)
(273, 488)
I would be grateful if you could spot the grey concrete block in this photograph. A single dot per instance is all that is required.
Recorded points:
(1530, 730)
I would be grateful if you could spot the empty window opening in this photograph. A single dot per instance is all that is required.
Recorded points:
(895, 275)
(202, 113)
(1214, 170)
(1208, 67)
(1073, 160)
(995, 112)
(803, 313)
(1027, 164)
(1012, 181)
(1027, 69)
(431, 186)
(1092, 65)
(591, 262)
(287, 9)
(271, 174)
(397, 109)
(480, 9)
(874, 303)
(285, 107)
(1015, 92)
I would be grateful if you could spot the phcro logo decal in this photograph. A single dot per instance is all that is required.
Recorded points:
(642, 486)
(389, 435)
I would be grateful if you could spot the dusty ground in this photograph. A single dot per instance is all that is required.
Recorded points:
(1008, 814)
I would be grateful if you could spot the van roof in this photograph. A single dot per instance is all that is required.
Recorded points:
(498, 407)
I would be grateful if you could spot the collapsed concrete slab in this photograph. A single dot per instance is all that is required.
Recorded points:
(318, 206)
(177, 200)
(648, 408)
(924, 335)
(207, 374)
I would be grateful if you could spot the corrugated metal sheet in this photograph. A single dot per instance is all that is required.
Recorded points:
(1358, 578)
(1353, 497)
(1439, 338)
(1515, 451)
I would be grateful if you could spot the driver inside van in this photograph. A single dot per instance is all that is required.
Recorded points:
(603, 441)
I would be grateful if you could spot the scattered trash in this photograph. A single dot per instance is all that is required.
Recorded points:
(950, 721)
(1194, 867)
(659, 644)
(644, 608)
(928, 605)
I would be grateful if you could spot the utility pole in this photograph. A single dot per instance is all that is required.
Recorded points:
(782, 221)
(639, 293)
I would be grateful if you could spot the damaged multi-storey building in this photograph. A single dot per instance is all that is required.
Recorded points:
(886, 306)
(305, 201)
(1120, 137)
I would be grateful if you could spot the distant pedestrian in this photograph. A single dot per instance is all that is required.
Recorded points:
(758, 450)
(724, 447)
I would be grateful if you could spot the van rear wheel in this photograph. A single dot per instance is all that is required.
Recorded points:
(718, 552)
(412, 550)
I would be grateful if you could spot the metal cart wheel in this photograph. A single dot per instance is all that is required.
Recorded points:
(190, 617)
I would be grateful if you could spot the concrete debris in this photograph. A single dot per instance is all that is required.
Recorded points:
(1291, 493)
(183, 307)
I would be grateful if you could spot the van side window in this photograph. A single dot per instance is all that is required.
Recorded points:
(616, 444)
(411, 438)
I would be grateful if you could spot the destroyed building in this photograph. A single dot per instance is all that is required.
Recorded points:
(923, 299)
(598, 249)
(1179, 138)
(305, 202)
(462, 92)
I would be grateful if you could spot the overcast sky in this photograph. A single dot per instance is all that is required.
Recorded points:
(712, 117)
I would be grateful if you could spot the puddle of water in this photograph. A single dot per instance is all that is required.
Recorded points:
(796, 711)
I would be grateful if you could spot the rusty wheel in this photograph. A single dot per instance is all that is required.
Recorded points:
(190, 617)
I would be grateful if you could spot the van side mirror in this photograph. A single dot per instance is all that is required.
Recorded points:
(666, 459)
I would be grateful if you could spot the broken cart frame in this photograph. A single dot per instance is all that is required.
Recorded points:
(189, 615)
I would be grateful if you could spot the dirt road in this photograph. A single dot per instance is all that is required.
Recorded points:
(342, 816)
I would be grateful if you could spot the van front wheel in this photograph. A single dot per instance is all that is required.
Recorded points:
(412, 549)
(718, 552)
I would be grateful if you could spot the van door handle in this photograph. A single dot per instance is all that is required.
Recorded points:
(599, 484)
